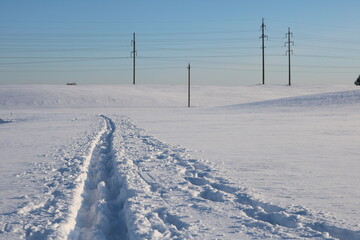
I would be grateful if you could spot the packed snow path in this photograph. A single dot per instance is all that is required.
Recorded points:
(140, 188)
(100, 214)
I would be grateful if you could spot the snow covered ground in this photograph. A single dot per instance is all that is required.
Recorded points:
(132, 162)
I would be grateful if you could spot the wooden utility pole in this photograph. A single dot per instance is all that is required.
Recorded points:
(189, 67)
(263, 50)
(134, 56)
(289, 43)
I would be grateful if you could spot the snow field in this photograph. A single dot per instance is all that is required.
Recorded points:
(193, 191)
(159, 192)
(91, 176)
(151, 96)
(43, 188)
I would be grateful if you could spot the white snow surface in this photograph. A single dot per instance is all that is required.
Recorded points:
(133, 162)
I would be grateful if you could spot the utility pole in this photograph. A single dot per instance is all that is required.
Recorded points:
(289, 43)
(189, 84)
(134, 56)
(263, 27)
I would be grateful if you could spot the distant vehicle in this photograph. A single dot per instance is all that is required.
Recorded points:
(71, 83)
(4, 121)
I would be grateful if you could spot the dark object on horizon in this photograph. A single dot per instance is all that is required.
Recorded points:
(71, 83)
(357, 82)
(4, 121)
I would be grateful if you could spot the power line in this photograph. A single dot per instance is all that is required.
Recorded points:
(24, 57)
(61, 61)
(91, 70)
(166, 49)
(195, 33)
(199, 56)
(328, 56)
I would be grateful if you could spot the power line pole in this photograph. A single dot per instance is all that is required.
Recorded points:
(289, 43)
(189, 67)
(134, 56)
(263, 27)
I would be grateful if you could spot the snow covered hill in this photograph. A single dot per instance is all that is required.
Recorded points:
(132, 162)
(19, 96)
(309, 101)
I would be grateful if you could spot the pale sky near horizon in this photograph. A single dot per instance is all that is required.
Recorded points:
(89, 42)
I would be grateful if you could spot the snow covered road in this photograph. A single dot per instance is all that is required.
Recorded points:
(92, 173)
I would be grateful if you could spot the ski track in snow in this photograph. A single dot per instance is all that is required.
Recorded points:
(133, 186)
(100, 216)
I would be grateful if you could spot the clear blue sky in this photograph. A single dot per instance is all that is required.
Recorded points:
(89, 42)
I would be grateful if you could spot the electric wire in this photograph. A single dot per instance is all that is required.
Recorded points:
(41, 48)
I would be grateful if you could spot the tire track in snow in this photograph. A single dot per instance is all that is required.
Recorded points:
(101, 213)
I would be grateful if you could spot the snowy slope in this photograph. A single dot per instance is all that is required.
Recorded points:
(31, 96)
(254, 162)
(308, 101)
